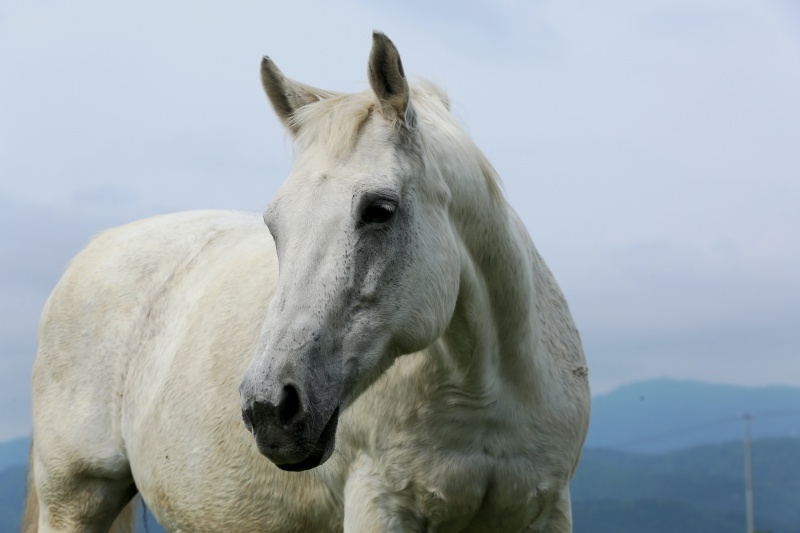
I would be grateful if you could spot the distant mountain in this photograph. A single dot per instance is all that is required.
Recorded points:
(651, 516)
(706, 481)
(14, 452)
(663, 415)
(12, 497)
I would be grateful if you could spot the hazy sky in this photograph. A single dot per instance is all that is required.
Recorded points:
(652, 149)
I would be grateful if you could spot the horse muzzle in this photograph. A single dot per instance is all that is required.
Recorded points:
(287, 434)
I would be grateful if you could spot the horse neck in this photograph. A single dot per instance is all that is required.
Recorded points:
(491, 342)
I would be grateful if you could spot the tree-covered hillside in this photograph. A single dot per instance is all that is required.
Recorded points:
(706, 482)
(12, 497)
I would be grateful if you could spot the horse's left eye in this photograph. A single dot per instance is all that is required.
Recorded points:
(379, 212)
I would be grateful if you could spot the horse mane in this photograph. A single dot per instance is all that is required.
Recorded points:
(335, 120)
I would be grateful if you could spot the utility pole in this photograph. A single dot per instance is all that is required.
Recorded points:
(748, 473)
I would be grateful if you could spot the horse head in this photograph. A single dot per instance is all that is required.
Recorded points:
(369, 263)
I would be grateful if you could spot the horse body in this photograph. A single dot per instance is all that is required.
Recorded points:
(469, 415)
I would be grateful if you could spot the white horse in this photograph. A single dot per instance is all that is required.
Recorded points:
(417, 370)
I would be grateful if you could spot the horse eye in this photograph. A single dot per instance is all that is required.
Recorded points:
(378, 212)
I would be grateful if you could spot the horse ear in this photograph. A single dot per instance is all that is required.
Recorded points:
(386, 77)
(287, 95)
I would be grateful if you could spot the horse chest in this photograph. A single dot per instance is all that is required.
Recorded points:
(455, 490)
(511, 494)
(463, 469)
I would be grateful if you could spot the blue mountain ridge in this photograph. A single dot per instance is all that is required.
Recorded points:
(14, 452)
(662, 415)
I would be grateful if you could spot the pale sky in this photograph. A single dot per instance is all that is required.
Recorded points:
(652, 149)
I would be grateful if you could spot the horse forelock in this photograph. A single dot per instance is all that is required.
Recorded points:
(334, 122)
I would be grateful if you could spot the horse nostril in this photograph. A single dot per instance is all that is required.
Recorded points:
(289, 407)
(247, 417)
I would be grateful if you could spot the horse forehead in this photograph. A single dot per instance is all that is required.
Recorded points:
(320, 178)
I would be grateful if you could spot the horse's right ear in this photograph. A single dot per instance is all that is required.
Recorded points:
(386, 77)
(287, 95)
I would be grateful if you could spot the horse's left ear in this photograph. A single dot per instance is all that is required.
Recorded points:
(287, 95)
(386, 77)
